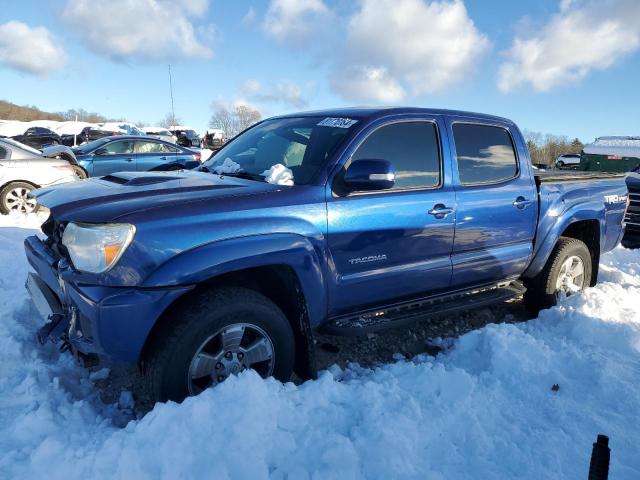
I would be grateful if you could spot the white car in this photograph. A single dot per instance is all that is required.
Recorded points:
(568, 160)
(22, 170)
(161, 134)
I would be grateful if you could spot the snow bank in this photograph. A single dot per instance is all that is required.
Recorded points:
(13, 128)
(278, 174)
(482, 409)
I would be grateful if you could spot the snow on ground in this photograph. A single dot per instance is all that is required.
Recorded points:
(483, 409)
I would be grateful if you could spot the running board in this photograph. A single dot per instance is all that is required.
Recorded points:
(400, 314)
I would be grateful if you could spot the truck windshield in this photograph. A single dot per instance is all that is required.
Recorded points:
(300, 144)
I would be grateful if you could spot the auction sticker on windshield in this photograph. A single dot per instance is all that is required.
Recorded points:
(337, 122)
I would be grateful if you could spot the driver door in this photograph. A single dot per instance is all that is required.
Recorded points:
(388, 245)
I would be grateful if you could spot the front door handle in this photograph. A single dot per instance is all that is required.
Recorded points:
(440, 211)
(129, 159)
(522, 203)
(163, 158)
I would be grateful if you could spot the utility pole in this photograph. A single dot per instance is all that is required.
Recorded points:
(173, 112)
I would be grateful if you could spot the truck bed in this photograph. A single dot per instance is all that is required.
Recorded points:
(543, 176)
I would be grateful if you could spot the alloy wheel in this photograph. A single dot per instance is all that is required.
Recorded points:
(231, 350)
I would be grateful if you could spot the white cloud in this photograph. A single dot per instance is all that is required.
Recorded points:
(249, 17)
(295, 21)
(30, 50)
(282, 92)
(362, 83)
(399, 47)
(142, 29)
(583, 36)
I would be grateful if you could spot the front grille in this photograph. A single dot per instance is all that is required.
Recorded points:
(632, 219)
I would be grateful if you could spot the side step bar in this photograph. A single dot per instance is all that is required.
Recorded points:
(401, 314)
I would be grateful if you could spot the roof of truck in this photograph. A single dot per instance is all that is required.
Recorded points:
(371, 113)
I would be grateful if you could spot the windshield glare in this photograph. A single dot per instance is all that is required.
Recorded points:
(299, 144)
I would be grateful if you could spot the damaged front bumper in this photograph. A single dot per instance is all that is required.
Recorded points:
(92, 320)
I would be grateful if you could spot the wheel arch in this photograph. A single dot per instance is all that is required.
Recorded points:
(277, 282)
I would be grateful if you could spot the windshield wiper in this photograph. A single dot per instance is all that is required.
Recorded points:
(247, 175)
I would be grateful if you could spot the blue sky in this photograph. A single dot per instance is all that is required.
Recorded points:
(567, 67)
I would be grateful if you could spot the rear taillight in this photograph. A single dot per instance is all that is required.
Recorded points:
(197, 157)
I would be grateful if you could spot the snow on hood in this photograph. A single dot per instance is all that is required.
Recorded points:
(484, 408)
(620, 146)
(278, 174)
(228, 166)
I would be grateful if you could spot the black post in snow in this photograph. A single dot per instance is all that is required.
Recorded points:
(600, 456)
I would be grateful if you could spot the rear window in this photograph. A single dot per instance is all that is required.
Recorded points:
(3, 153)
(484, 153)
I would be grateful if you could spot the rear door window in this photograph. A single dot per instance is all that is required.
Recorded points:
(485, 154)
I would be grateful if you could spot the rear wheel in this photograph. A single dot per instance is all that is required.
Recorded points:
(79, 172)
(16, 197)
(567, 272)
(219, 334)
(560, 164)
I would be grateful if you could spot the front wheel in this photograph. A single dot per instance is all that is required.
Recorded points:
(79, 172)
(16, 197)
(567, 272)
(218, 334)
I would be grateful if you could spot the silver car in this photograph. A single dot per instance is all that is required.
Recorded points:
(23, 169)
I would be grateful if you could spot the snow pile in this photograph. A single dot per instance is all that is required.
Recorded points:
(278, 174)
(71, 128)
(13, 128)
(621, 146)
(228, 166)
(483, 409)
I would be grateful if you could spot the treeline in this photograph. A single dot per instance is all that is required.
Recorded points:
(27, 113)
(545, 148)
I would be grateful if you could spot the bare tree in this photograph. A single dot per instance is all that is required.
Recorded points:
(233, 121)
(223, 119)
(545, 148)
(246, 116)
(169, 120)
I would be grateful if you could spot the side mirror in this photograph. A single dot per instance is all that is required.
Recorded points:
(101, 151)
(370, 175)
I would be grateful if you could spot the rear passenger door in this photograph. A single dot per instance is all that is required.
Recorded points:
(496, 202)
(151, 155)
(391, 245)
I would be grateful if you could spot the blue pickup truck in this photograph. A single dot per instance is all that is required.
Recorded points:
(383, 216)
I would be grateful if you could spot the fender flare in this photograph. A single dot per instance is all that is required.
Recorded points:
(584, 212)
(211, 260)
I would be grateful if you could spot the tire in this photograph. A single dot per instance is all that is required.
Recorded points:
(173, 358)
(560, 164)
(80, 172)
(542, 290)
(13, 198)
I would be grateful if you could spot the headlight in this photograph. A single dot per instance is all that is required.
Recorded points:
(96, 248)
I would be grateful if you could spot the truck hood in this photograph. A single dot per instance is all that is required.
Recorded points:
(107, 198)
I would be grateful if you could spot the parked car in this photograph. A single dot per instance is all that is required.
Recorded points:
(339, 221)
(631, 237)
(87, 134)
(185, 136)
(213, 139)
(133, 153)
(161, 133)
(37, 137)
(22, 170)
(568, 160)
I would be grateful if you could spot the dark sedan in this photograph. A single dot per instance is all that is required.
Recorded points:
(133, 153)
(38, 137)
(186, 137)
(88, 134)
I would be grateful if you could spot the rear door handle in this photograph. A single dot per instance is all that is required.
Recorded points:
(163, 158)
(522, 203)
(440, 211)
(129, 159)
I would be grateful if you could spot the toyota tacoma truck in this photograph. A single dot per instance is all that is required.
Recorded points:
(343, 221)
